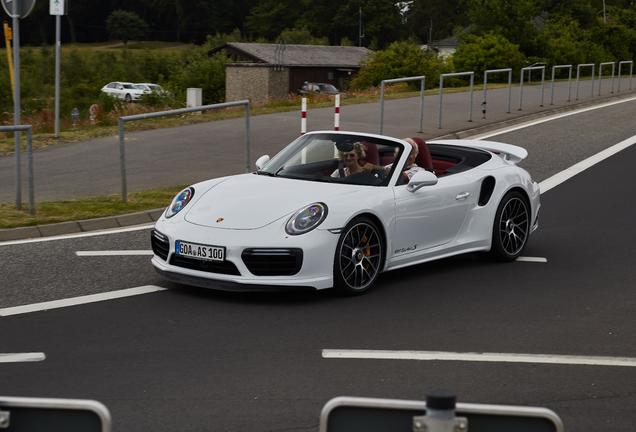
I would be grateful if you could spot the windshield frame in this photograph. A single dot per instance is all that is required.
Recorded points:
(275, 166)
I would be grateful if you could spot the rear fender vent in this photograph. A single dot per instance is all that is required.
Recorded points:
(487, 187)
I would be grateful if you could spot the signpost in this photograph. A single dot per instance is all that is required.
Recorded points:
(56, 7)
(17, 9)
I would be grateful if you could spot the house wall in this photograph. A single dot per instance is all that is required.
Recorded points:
(257, 82)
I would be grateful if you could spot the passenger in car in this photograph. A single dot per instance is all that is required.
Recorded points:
(410, 168)
(352, 161)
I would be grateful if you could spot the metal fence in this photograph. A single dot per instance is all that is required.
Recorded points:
(123, 120)
(441, 94)
(600, 76)
(554, 69)
(18, 173)
(631, 71)
(578, 74)
(530, 69)
(493, 71)
(422, 80)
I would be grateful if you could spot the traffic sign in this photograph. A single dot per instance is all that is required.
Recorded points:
(24, 7)
(56, 7)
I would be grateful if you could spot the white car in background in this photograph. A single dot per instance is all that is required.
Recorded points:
(124, 90)
(301, 222)
(151, 88)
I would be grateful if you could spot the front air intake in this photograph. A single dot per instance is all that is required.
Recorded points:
(273, 261)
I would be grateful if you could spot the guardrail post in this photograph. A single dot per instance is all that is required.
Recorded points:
(578, 74)
(600, 76)
(492, 71)
(441, 92)
(247, 138)
(397, 80)
(631, 68)
(30, 165)
(122, 160)
(554, 68)
(530, 69)
(18, 172)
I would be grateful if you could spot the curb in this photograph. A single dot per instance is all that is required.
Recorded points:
(139, 218)
(73, 227)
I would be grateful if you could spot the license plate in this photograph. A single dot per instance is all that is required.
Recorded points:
(199, 251)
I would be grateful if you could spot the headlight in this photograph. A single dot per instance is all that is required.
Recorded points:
(306, 219)
(180, 201)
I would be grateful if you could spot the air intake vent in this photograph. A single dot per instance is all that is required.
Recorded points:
(160, 244)
(273, 261)
(487, 186)
(221, 267)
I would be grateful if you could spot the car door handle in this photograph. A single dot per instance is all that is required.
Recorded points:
(462, 196)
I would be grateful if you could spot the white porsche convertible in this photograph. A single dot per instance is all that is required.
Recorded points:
(335, 209)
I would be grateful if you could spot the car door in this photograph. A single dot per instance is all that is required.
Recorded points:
(431, 216)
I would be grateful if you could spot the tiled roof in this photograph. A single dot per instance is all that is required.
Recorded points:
(300, 55)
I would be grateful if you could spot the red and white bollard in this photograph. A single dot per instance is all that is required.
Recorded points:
(303, 116)
(336, 115)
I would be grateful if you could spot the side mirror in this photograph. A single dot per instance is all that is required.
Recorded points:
(261, 161)
(420, 179)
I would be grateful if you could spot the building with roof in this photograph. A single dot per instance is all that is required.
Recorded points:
(444, 47)
(261, 72)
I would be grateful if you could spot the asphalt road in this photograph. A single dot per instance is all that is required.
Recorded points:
(196, 360)
(185, 155)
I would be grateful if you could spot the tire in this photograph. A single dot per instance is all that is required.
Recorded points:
(359, 256)
(128, 98)
(511, 227)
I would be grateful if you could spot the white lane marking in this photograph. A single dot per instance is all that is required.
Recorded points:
(548, 118)
(479, 357)
(22, 357)
(532, 259)
(79, 235)
(579, 167)
(73, 301)
(114, 253)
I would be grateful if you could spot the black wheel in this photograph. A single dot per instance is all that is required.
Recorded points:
(511, 227)
(128, 98)
(359, 256)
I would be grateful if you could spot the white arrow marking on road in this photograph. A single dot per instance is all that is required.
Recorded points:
(114, 253)
(479, 357)
(21, 357)
(532, 259)
(73, 301)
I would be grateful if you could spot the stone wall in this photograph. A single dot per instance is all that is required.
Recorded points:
(257, 82)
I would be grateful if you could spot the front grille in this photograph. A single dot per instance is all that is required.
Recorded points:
(160, 244)
(273, 261)
(222, 267)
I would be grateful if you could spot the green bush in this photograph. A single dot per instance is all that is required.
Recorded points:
(490, 51)
(399, 60)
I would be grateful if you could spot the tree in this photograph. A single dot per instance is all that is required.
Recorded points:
(125, 26)
(490, 51)
(301, 36)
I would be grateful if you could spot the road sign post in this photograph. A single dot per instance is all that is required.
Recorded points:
(56, 8)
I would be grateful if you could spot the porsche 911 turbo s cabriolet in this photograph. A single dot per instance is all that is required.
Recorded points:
(335, 209)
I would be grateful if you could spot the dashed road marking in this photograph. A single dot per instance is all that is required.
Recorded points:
(73, 301)
(114, 253)
(78, 235)
(22, 357)
(479, 357)
(532, 259)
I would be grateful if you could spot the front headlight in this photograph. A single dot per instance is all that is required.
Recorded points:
(180, 201)
(306, 219)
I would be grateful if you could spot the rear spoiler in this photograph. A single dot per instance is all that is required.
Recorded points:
(511, 153)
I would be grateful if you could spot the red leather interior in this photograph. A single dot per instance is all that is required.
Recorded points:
(372, 155)
(440, 166)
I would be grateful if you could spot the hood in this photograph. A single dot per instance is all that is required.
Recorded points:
(251, 201)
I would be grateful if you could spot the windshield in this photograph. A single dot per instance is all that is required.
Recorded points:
(127, 86)
(337, 158)
(140, 87)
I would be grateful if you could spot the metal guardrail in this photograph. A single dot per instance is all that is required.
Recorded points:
(631, 70)
(492, 71)
(600, 76)
(530, 69)
(421, 78)
(578, 74)
(441, 94)
(123, 120)
(554, 69)
(18, 174)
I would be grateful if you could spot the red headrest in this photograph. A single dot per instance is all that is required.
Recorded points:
(424, 158)
(372, 154)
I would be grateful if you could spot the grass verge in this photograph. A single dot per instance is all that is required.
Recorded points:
(88, 208)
